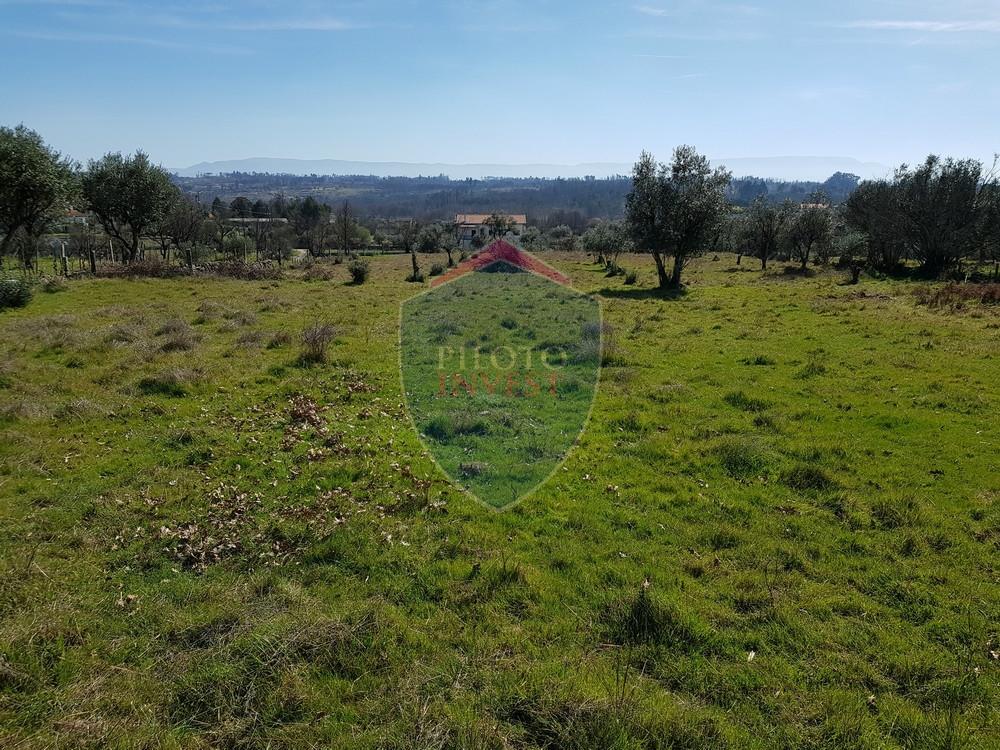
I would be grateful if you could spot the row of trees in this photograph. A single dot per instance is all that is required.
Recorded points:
(136, 204)
(939, 214)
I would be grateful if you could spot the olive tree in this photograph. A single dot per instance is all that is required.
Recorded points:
(35, 182)
(764, 225)
(811, 228)
(606, 240)
(129, 195)
(673, 211)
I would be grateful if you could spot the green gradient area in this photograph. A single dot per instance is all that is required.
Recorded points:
(499, 370)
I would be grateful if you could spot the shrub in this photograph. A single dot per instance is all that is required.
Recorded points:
(14, 293)
(437, 269)
(631, 277)
(315, 339)
(359, 270)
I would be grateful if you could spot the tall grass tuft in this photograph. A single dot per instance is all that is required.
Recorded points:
(315, 340)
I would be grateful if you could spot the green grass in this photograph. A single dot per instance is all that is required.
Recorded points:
(779, 530)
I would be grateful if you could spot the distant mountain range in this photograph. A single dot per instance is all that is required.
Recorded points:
(778, 167)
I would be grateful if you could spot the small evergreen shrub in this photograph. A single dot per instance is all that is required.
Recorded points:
(359, 270)
(14, 293)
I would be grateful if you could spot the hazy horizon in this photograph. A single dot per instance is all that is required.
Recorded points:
(505, 82)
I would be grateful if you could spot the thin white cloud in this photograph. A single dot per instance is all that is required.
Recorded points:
(291, 24)
(713, 8)
(649, 10)
(88, 38)
(295, 23)
(68, 3)
(934, 27)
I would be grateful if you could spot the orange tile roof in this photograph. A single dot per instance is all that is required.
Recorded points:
(481, 218)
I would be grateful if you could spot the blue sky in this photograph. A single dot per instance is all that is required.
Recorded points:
(504, 81)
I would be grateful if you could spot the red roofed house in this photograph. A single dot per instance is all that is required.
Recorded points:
(471, 226)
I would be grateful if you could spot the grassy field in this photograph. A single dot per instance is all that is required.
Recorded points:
(780, 529)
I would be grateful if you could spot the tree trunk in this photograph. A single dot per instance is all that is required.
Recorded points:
(739, 258)
(91, 251)
(661, 271)
(675, 276)
(451, 263)
(763, 263)
(416, 268)
(7, 239)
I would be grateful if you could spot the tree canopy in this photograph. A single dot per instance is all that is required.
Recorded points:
(129, 195)
(674, 210)
(35, 182)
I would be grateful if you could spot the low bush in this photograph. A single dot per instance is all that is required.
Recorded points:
(14, 293)
(437, 269)
(631, 277)
(359, 270)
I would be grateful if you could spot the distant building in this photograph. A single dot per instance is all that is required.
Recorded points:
(256, 221)
(472, 226)
(73, 216)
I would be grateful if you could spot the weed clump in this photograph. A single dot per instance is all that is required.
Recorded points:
(742, 458)
(740, 400)
(52, 284)
(279, 340)
(315, 340)
(646, 619)
(806, 478)
(173, 382)
(957, 296)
